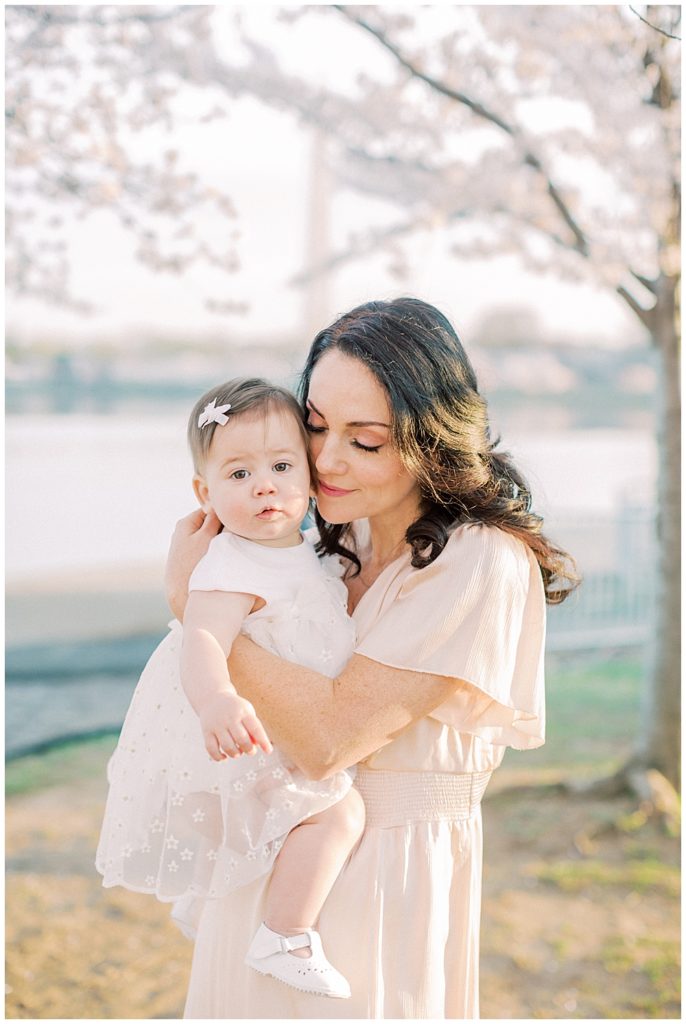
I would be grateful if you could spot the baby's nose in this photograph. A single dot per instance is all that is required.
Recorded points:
(265, 485)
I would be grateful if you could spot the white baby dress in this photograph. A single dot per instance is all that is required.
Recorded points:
(178, 824)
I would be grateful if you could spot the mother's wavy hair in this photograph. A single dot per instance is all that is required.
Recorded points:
(439, 426)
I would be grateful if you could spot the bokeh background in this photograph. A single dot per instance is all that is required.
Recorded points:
(191, 193)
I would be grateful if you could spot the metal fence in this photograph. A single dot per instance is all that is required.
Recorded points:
(615, 604)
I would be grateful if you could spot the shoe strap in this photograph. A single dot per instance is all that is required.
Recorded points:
(289, 942)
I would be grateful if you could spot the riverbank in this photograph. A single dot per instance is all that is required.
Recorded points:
(75, 646)
(85, 605)
(565, 934)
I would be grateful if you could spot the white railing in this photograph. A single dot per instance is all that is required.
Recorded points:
(614, 606)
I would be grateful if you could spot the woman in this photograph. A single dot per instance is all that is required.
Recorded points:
(447, 575)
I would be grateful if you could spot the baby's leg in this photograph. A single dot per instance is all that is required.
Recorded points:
(309, 863)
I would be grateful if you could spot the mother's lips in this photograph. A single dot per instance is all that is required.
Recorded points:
(333, 492)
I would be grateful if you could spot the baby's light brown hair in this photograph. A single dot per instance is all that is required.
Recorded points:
(243, 394)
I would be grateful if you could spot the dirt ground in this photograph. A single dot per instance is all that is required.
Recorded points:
(565, 934)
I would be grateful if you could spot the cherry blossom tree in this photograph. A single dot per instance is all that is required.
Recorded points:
(547, 131)
(86, 88)
(596, 196)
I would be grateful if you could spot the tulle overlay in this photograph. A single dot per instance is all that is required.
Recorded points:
(178, 824)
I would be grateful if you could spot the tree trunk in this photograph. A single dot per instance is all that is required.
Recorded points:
(660, 731)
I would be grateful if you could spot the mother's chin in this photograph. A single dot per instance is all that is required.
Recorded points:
(335, 509)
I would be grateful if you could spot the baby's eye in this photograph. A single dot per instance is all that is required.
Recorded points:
(282, 467)
(239, 474)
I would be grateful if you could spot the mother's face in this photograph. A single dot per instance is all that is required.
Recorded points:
(360, 474)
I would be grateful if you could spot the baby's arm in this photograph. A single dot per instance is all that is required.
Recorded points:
(212, 621)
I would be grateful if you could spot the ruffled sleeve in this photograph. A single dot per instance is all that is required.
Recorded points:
(227, 567)
(476, 614)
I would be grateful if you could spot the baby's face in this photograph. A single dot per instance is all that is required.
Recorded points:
(256, 477)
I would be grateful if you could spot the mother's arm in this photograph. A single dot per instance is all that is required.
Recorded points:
(323, 724)
(329, 724)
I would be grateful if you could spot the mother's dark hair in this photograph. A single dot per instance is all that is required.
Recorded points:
(439, 426)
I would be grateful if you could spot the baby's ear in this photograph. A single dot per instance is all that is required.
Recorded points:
(201, 492)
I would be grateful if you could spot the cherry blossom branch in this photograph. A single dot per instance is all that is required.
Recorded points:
(95, 15)
(530, 159)
(370, 243)
(375, 240)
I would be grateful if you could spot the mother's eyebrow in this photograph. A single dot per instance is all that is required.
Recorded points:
(353, 423)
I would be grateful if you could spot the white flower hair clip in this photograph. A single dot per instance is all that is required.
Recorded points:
(213, 414)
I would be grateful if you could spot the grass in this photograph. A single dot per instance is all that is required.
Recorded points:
(60, 765)
(593, 715)
(635, 875)
(657, 960)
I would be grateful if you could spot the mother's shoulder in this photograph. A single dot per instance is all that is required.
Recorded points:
(483, 535)
(487, 544)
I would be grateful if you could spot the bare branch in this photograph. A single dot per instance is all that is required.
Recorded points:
(647, 282)
(530, 159)
(646, 316)
(656, 28)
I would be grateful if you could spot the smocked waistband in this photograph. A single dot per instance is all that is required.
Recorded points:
(404, 798)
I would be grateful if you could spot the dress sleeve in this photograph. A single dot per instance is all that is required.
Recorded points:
(476, 614)
(226, 567)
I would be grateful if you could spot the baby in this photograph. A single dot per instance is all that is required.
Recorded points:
(188, 815)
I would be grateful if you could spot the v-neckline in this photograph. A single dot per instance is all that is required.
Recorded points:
(403, 554)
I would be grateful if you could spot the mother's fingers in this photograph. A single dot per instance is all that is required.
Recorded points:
(211, 523)
(191, 523)
(196, 522)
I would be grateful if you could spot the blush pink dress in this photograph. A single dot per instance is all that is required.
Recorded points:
(402, 921)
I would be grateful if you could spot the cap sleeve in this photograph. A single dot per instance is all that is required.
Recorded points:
(476, 614)
(227, 567)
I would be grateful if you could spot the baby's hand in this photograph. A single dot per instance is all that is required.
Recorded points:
(231, 727)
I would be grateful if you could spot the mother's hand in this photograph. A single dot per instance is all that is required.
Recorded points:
(190, 541)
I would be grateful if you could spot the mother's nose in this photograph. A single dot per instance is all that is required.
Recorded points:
(329, 458)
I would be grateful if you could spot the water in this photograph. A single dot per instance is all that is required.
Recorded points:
(86, 491)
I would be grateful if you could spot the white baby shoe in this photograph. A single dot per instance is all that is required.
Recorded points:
(269, 954)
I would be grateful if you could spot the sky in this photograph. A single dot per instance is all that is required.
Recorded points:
(265, 161)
